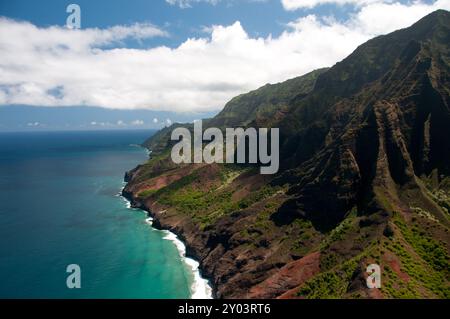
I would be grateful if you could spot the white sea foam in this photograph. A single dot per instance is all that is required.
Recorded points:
(200, 288)
(126, 201)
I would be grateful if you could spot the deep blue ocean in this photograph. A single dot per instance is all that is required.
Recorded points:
(59, 205)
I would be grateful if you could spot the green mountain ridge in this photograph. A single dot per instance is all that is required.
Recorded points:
(256, 106)
(364, 178)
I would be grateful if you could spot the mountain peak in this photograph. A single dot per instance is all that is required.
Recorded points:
(438, 14)
(435, 18)
(427, 27)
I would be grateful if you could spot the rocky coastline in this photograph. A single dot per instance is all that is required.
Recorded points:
(183, 230)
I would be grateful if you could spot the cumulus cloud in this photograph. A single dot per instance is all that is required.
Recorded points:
(34, 124)
(183, 4)
(291, 5)
(102, 124)
(188, 3)
(60, 67)
(137, 122)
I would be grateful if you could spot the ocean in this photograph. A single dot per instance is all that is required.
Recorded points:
(60, 204)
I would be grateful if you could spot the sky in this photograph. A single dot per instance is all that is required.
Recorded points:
(146, 64)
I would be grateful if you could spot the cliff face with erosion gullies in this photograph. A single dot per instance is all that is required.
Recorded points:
(364, 178)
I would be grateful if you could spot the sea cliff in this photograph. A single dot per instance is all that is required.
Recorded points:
(364, 179)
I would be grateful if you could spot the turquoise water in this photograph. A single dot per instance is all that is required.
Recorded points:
(59, 205)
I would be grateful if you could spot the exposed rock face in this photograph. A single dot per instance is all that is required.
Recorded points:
(292, 275)
(365, 178)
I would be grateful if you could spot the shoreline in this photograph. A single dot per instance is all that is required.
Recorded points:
(200, 287)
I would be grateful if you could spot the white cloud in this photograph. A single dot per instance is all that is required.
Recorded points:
(291, 5)
(188, 3)
(155, 120)
(59, 67)
(34, 124)
(121, 123)
(168, 122)
(95, 123)
(137, 122)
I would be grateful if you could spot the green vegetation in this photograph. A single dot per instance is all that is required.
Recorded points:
(331, 284)
(429, 249)
(394, 287)
(340, 231)
(188, 196)
(155, 166)
(424, 275)
(146, 193)
(264, 102)
(442, 198)
(423, 281)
